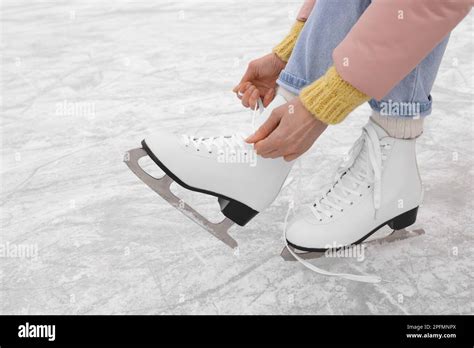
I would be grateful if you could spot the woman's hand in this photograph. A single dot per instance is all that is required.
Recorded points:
(259, 80)
(289, 132)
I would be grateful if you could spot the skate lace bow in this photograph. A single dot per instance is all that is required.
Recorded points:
(362, 167)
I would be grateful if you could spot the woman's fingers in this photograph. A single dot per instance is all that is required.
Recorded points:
(248, 76)
(247, 95)
(271, 146)
(271, 154)
(265, 129)
(267, 99)
(291, 157)
(254, 98)
(242, 89)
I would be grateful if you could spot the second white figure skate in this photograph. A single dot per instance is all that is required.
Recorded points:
(243, 188)
(378, 184)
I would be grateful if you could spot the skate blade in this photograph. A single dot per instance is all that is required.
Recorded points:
(162, 187)
(392, 237)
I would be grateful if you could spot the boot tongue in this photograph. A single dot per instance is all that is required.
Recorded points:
(379, 130)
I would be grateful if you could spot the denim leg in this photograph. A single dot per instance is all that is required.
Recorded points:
(326, 27)
(411, 97)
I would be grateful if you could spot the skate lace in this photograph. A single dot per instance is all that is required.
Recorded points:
(220, 143)
(361, 168)
(223, 142)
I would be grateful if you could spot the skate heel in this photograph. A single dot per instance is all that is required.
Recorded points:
(404, 220)
(236, 211)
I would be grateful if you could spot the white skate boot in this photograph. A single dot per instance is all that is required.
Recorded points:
(378, 184)
(225, 167)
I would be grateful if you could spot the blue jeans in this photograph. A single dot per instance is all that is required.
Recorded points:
(326, 27)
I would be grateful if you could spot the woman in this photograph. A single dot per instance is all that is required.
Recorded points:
(338, 55)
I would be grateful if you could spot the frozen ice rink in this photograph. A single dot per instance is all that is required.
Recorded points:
(85, 81)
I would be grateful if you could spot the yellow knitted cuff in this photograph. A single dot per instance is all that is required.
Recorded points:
(283, 49)
(330, 99)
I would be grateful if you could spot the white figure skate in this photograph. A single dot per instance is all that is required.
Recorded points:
(378, 184)
(225, 167)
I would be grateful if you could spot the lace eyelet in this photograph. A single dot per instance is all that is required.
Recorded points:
(342, 210)
(368, 186)
(352, 203)
(210, 151)
(331, 216)
(320, 219)
(360, 195)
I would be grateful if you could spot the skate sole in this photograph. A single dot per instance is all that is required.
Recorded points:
(397, 223)
(236, 211)
(395, 236)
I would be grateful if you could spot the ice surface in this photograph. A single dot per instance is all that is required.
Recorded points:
(84, 81)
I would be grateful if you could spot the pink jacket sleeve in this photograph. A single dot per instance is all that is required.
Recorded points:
(391, 38)
(305, 10)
